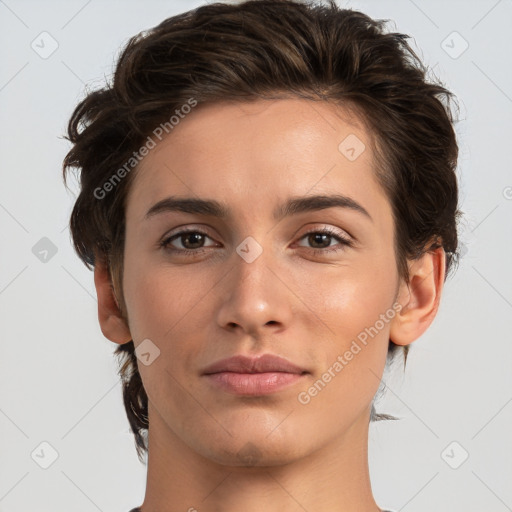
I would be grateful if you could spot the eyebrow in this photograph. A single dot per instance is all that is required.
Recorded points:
(292, 206)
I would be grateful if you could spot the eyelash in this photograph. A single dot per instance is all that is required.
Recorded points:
(326, 231)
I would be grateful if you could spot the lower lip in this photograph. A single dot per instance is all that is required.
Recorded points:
(253, 383)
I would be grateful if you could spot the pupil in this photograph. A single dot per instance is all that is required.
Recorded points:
(321, 236)
(193, 235)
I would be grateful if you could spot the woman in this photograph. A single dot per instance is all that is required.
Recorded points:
(269, 202)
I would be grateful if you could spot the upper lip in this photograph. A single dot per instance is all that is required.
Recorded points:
(262, 364)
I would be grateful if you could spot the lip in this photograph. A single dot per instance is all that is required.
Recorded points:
(263, 364)
(241, 375)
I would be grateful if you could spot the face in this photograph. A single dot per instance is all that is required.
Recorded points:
(315, 285)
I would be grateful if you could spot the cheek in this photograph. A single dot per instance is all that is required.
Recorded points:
(156, 296)
(357, 306)
(161, 308)
(172, 308)
(143, 298)
(353, 298)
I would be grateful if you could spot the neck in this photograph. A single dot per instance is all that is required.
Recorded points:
(335, 478)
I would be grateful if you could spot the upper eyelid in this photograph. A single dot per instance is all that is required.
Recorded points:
(194, 229)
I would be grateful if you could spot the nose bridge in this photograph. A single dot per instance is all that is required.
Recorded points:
(253, 296)
(251, 265)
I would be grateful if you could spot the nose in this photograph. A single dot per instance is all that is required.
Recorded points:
(256, 295)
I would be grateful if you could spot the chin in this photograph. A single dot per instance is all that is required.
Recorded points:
(249, 447)
(253, 455)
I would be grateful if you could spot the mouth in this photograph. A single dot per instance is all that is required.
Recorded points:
(241, 375)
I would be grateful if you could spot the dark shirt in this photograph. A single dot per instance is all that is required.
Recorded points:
(138, 510)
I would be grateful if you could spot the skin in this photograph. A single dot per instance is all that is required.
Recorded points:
(213, 451)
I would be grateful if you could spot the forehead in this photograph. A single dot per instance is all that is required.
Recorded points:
(248, 154)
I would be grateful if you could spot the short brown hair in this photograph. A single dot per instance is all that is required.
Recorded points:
(267, 49)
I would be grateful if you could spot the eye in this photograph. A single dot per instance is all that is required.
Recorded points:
(321, 236)
(192, 241)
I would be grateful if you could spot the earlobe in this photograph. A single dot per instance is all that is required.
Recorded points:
(419, 298)
(112, 323)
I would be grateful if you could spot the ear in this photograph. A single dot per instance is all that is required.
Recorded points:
(112, 324)
(419, 298)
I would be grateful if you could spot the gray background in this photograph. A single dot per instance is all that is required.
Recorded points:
(58, 380)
